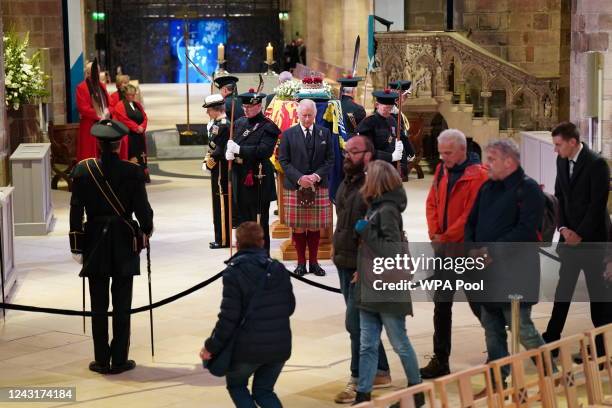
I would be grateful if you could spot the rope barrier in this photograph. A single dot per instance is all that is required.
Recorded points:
(173, 298)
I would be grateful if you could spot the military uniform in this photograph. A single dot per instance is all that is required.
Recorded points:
(106, 244)
(238, 111)
(252, 172)
(353, 114)
(403, 85)
(381, 131)
(218, 135)
(225, 80)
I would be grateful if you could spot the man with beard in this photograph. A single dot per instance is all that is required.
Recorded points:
(350, 207)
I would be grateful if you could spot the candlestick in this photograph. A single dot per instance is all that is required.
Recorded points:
(269, 54)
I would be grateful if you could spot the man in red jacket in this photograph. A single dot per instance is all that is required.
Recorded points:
(454, 189)
(93, 104)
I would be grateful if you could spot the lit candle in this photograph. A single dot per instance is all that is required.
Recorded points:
(269, 54)
(220, 52)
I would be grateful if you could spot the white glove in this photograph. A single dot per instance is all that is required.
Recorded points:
(78, 258)
(229, 155)
(399, 150)
(233, 147)
(204, 168)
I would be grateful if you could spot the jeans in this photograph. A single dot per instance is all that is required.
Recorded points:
(371, 328)
(352, 325)
(494, 320)
(264, 378)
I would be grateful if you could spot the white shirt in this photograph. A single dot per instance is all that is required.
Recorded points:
(304, 129)
(311, 128)
(573, 160)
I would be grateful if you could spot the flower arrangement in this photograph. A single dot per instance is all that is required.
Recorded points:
(287, 90)
(24, 80)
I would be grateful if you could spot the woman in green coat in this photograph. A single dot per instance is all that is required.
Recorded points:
(382, 236)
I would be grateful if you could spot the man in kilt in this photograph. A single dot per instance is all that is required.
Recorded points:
(306, 156)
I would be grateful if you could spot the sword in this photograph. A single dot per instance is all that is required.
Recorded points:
(260, 177)
(355, 56)
(150, 295)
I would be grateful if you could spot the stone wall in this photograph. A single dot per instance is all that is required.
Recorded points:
(43, 20)
(329, 29)
(591, 29)
(424, 15)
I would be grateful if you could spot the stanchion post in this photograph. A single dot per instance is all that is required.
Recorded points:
(515, 325)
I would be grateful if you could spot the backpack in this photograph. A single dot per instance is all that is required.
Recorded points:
(550, 218)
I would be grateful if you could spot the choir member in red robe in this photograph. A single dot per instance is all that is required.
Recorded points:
(92, 104)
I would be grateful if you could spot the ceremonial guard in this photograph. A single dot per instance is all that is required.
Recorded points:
(401, 86)
(253, 184)
(109, 191)
(228, 89)
(352, 112)
(381, 126)
(218, 134)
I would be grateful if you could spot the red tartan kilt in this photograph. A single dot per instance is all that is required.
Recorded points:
(316, 217)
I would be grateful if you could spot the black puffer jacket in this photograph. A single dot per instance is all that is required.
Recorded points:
(266, 338)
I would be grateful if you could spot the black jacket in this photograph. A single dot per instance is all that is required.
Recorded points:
(583, 199)
(382, 132)
(217, 142)
(257, 138)
(350, 207)
(294, 155)
(506, 218)
(353, 114)
(266, 337)
(108, 253)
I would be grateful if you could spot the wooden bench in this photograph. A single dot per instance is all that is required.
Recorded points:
(63, 140)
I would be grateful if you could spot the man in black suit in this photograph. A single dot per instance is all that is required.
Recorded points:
(581, 187)
(307, 156)
(105, 244)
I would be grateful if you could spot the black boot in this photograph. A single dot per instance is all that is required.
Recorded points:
(436, 368)
(361, 397)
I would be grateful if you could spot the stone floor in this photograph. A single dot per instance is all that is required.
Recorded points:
(50, 350)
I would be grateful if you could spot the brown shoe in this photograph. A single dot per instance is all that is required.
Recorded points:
(382, 381)
(347, 396)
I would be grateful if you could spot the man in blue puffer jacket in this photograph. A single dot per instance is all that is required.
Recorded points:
(264, 344)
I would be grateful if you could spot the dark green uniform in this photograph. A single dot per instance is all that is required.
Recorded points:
(107, 244)
(217, 140)
(238, 111)
(353, 114)
(257, 138)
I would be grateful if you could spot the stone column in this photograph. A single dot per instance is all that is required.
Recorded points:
(485, 95)
(3, 138)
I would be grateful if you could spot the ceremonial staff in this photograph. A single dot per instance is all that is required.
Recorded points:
(398, 130)
(260, 174)
(229, 181)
